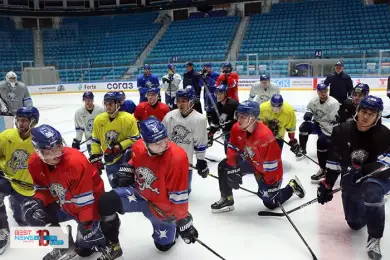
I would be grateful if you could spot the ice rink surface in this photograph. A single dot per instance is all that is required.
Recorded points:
(240, 234)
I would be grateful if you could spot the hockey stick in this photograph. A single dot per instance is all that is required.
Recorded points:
(83, 142)
(303, 154)
(387, 117)
(21, 183)
(296, 229)
(241, 188)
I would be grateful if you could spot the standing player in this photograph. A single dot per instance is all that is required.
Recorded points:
(145, 185)
(263, 90)
(191, 78)
(113, 133)
(15, 149)
(145, 81)
(14, 94)
(225, 116)
(83, 120)
(252, 149)
(279, 116)
(229, 78)
(357, 149)
(171, 84)
(209, 77)
(152, 107)
(348, 108)
(64, 179)
(188, 129)
(126, 105)
(319, 119)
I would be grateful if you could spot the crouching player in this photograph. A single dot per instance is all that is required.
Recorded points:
(158, 192)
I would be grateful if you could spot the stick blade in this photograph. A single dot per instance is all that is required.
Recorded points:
(269, 214)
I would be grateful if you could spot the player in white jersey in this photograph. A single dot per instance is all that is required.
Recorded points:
(188, 128)
(171, 84)
(320, 118)
(263, 90)
(14, 94)
(83, 120)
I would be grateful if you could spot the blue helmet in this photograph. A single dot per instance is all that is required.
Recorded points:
(265, 77)
(153, 90)
(207, 64)
(88, 94)
(113, 96)
(147, 67)
(28, 112)
(227, 64)
(372, 103)
(221, 88)
(45, 137)
(277, 100)
(248, 107)
(152, 130)
(322, 86)
(171, 66)
(187, 93)
(362, 88)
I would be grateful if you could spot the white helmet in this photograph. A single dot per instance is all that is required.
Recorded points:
(11, 78)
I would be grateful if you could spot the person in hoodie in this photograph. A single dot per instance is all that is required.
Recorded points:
(340, 83)
(145, 81)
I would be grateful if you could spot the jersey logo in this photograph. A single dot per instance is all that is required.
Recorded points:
(179, 135)
(11, 96)
(145, 179)
(222, 119)
(59, 192)
(18, 160)
(90, 125)
(319, 114)
(148, 84)
(111, 137)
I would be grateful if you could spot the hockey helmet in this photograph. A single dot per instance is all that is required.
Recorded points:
(265, 77)
(372, 103)
(277, 100)
(88, 94)
(249, 107)
(322, 86)
(113, 96)
(152, 130)
(187, 93)
(361, 88)
(31, 113)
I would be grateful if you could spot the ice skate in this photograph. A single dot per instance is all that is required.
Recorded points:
(298, 187)
(320, 175)
(4, 240)
(225, 204)
(111, 251)
(374, 248)
(63, 253)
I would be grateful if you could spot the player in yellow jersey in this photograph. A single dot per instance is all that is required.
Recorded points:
(113, 133)
(280, 118)
(15, 150)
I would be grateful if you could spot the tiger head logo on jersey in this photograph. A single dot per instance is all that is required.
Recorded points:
(148, 84)
(12, 96)
(179, 135)
(59, 192)
(319, 114)
(145, 178)
(18, 160)
(89, 125)
(111, 137)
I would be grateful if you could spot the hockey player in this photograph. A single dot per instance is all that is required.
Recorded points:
(229, 78)
(15, 149)
(158, 192)
(357, 149)
(263, 90)
(65, 181)
(171, 84)
(348, 108)
(145, 81)
(253, 149)
(152, 107)
(14, 94)
(126, 105)
(192, 78)
(209, 78)
(279, 116)
(83, 120)
(188, 129)
(319, 119)
(225, 116)
(113, 133)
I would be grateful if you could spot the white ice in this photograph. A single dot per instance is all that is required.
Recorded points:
(239, 234)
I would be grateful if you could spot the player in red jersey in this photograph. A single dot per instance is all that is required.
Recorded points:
(157, 173)
(230, 79)
(252, 148)
(64, 179)
(152, 107)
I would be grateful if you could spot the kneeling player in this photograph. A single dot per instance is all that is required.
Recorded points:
(15, 149)
(358, 149)
(320, 118)
(64, 179)
(154, 181)
(253, 149)
(348, 108)
(152, 107)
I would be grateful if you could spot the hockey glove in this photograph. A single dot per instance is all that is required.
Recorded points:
(112, 152)
(76, 144)
(201, 166)
(324, 193)
(166, 79)
(89, 235)
(234, 177)
(125, 177)
(186, 230)
(96, 160)
(34, 212)
(308, 116)
(294, 146)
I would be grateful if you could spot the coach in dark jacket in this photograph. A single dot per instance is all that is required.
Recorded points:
(340, 83)
(191, 78)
